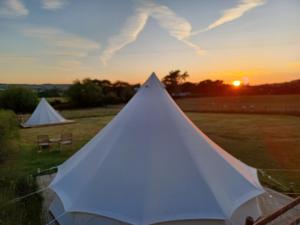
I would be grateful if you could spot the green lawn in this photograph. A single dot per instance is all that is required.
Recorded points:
(263, 104)
(262, 141)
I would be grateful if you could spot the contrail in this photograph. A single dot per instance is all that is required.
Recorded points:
(132, 28)
(177, 27)
(233, 14)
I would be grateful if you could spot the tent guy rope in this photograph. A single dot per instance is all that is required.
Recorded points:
(23, 197)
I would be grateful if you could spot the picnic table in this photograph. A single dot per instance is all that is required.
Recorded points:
(43, 141)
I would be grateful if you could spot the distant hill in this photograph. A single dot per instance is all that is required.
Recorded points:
(202, 88)
(291, 87)
(218, 88)
(38, 87)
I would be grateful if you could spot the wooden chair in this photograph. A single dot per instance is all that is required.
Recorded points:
(66, 139)
(20, 118)
(43, 141)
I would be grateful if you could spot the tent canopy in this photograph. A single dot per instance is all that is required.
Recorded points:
(150, 164)
(44, 115)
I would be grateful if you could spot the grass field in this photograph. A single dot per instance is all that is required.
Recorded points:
(266, 104)
(262, 141)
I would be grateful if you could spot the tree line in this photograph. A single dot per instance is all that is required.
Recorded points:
(95, 92)
(85, 93)
(177, 86)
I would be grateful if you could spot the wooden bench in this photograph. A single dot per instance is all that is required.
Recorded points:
(66, 139)
(43, 141)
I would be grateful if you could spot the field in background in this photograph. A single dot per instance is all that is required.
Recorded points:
(254, 104)
(264, 104)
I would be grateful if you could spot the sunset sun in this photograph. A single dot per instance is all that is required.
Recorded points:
(236, 83)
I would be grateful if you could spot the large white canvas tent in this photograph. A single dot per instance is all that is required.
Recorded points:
(44, 115)
(151, 165)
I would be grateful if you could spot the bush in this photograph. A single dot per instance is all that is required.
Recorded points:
(27, 211)
(111, 98)
(90, 93)
(18, 99)
(8, 131)
(85, 93)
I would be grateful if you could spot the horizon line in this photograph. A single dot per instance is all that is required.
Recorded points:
(134, 83)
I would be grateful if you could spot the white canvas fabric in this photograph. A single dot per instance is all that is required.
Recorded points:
(78, 218)
(151, 165)
(44, 114)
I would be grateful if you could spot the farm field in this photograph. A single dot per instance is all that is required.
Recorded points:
(266, 104)
(262, 141)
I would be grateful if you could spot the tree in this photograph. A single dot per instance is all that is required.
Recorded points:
(105, 85)
(173, 80)
(18, 99)
(211, 88)
(53, 92)
(86, 93)
(8, 131)
(123, 90)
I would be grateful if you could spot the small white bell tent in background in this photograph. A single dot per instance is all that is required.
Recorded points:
(152, 165)
(44, 115)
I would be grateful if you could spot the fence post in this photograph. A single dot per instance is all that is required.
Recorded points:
(249, 221)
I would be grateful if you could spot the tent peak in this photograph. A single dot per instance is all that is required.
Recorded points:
(153, 74)
(153, 81)
(44, 114)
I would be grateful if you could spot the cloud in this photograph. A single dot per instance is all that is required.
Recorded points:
(70, 63)
(66, 49)
(67, 53)
(129, 33)
(294, 64)
(177, 27)
(13, 8)
(16, 58)
(234, 13)
(53, 4)
(60, 38)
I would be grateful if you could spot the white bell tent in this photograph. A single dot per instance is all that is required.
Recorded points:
(44, 115)
(151, 165)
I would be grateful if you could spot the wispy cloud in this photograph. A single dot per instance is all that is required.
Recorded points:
(63, 53)
(129, 33)
(70, 63)
(4, 58)
(177, 27)
(60, 38)
(65, 49)
(294, 64)
(234, 13)
(53, 4)
(13, 8)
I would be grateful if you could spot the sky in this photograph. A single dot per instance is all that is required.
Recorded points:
(59, 41)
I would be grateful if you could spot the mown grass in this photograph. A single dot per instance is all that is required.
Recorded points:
(262, 141)
(23, 161)
(92, 112)
(83, 130)
(265, 104)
